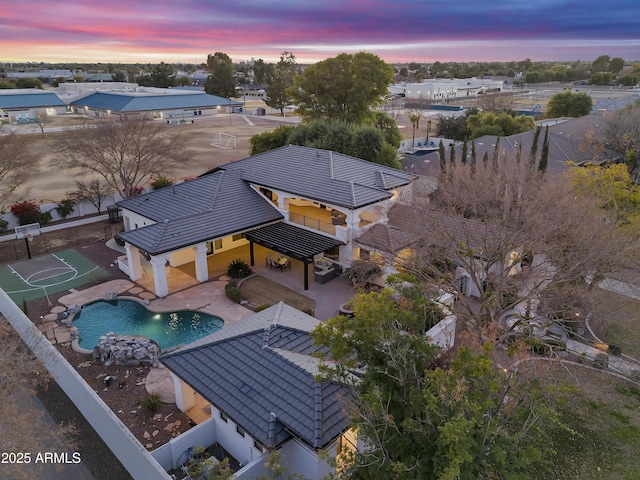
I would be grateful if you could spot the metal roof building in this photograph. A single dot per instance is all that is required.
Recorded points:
(159, 102)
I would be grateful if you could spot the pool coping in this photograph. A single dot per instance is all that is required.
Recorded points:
(75, 345)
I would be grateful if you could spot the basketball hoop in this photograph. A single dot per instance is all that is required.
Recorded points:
(29, 237)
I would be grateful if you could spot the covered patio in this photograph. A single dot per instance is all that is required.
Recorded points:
(298, 243)
(328, 296)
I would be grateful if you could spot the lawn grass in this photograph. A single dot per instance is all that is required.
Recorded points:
(259, 291)
(603, 416)
(617, 320)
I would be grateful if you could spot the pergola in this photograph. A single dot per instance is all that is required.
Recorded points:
(292, 241)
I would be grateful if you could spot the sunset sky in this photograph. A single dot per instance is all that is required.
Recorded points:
(129, 31)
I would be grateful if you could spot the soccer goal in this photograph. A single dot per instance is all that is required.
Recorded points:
(224, 140)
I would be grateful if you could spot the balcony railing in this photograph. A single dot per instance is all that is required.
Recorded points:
(312, 223)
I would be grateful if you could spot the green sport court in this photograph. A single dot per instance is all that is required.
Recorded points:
(53, 273)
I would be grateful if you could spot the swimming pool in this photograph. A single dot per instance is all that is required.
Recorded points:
(128, 317)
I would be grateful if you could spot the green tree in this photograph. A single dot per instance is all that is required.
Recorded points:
(263, 142)
(261, 71)
(28, 83)
(616, 64)
(345, 87)
(613, 189)
(162, 75)
(221, 81)
(569, 104)
(361, 141)
(459, 417)
(280, 81)
(602, 64)
(502, 124)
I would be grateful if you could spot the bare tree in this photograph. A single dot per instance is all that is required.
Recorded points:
(622, 135)
(22, 428)
(17, 163)
(94, 191)
(125, 153)
(505, 235)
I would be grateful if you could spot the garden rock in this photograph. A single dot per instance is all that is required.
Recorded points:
(127, 350)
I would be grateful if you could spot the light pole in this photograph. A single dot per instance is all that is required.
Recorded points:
(229, 100)
(428, 129)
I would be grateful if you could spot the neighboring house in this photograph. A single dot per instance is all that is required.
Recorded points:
(261, 378)
(563, 151)
(410, 231)
(23, 105)
(166, 103)
(301, 202)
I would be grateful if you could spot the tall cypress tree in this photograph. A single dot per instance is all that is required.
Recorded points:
(473, 157)
(452, 155)
(496, 154)
(443, 158)
(534, 148)
(544, 158)
(463, 161)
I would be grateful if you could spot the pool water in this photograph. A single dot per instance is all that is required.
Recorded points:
(128, 317)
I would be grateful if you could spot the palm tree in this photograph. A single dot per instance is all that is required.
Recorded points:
(414, 118)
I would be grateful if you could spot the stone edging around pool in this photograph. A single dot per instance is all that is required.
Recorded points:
(75, 342)
(144, 302)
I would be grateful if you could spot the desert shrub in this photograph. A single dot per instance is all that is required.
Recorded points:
(152, 402)
(601, 361)
(160, 181)
(233, 293)
(615, 350)
(3, 225)
(65, 207)
(239, 269)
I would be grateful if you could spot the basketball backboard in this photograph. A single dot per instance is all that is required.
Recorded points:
(28, 231)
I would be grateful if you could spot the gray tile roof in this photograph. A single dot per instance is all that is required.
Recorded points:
(263, 366)
(321, 175)
(141, 102)
(562, 150)
(198, 210)
(32, 99)
(410, 226)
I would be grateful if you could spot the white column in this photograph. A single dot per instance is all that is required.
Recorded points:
(160, 276)
(185, 396)
(133, 259)
(202, 269)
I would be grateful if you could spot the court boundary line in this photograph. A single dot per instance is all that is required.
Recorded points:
(19, 276)
(53, 284)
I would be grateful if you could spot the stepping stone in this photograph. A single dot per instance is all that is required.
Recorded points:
(147, 295)
(62, 334)
(50, 317)
(135, 290)
(58, 309)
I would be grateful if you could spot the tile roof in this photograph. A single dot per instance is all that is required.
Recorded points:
(141, 101)
(321, 175)
(198, 210)
(562, 149)
(33, 99)
(263, 366)
(407, 226)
